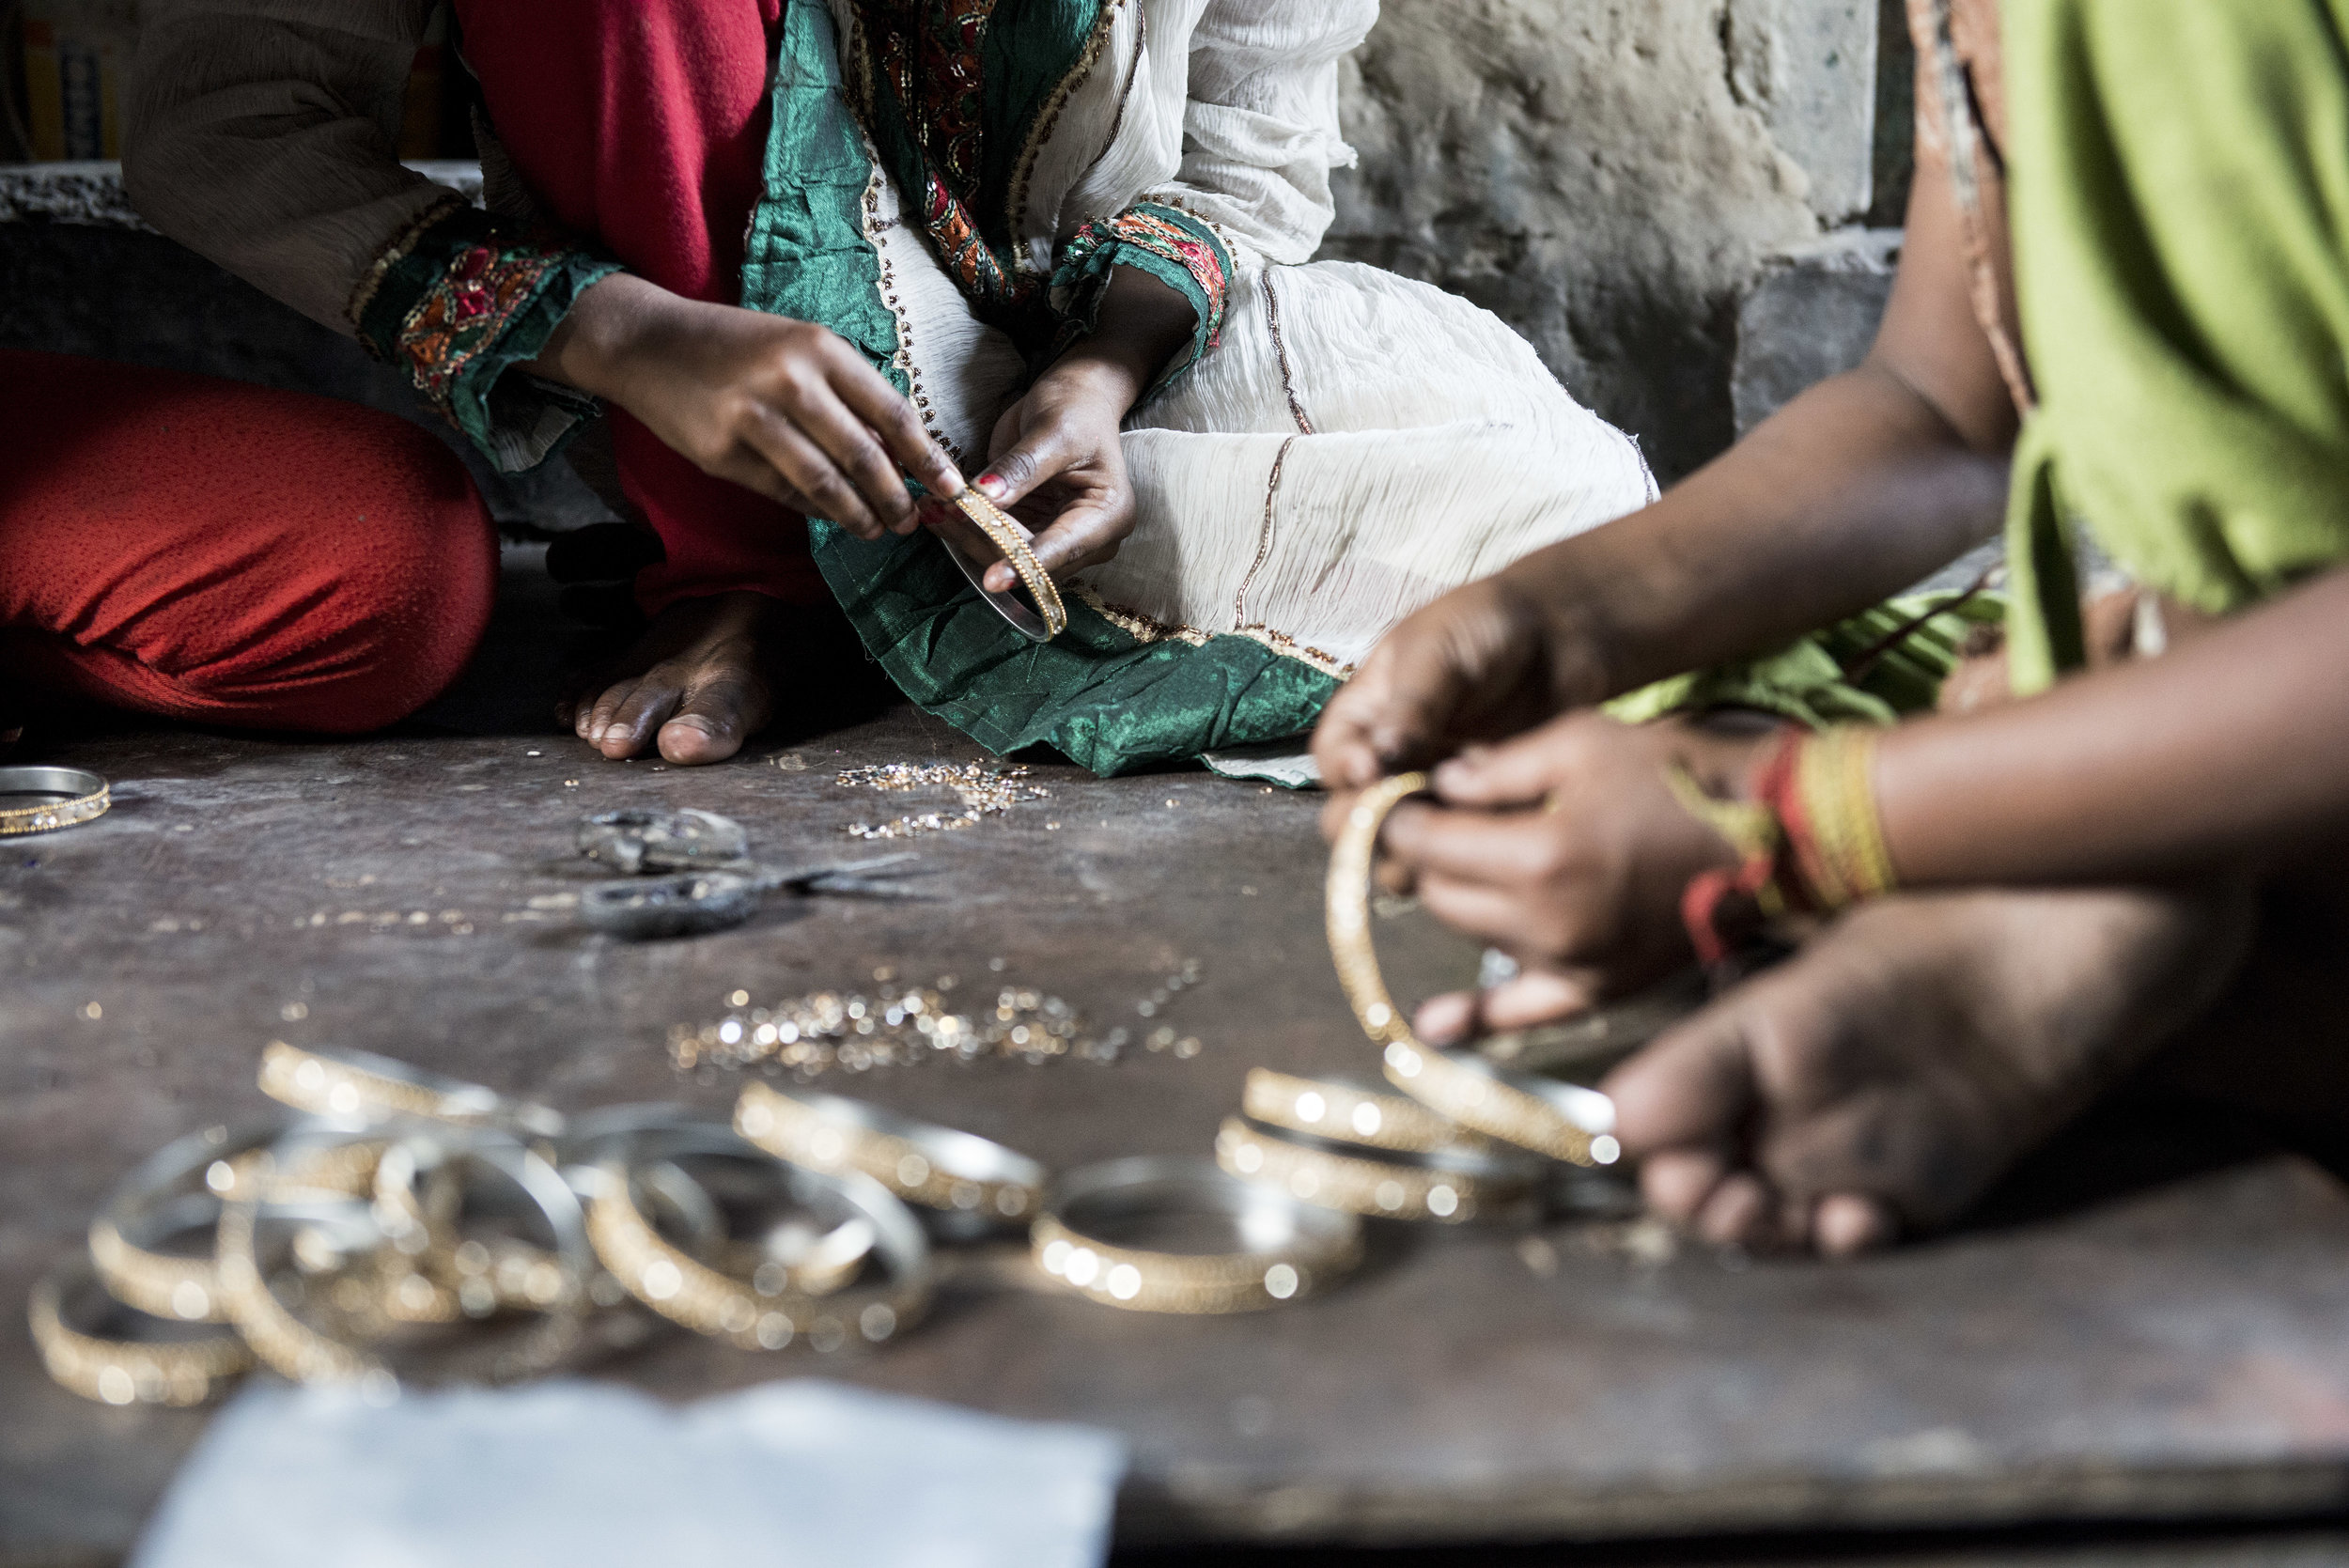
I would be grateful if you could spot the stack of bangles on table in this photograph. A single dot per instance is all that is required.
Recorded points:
(1807, 837)
(394, 1228)
(1449, 1136)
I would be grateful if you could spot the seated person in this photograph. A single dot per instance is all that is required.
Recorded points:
(802, 249)
(2012, 903)
(228, 554)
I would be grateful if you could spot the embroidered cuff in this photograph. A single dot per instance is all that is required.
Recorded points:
(459, 298)
(1168, 243)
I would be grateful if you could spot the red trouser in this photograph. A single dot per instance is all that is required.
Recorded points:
(228, 553)
(642, 125)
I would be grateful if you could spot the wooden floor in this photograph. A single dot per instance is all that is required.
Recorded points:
(2151, 1325)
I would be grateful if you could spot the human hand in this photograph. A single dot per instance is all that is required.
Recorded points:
(1483, 662)
(1566, 850)
(1055, 463)
(785, 408)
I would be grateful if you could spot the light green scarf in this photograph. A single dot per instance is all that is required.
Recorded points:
(2178, 186)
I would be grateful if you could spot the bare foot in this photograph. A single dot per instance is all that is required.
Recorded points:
(1879, 1080)
(1883, 1078)
(698, 682)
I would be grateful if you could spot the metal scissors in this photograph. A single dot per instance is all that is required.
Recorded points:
(711, 884)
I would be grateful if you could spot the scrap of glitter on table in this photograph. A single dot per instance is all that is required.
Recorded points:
(806, 1035)
(985, 790)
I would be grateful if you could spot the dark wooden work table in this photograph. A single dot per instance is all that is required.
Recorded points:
(2155, 1329)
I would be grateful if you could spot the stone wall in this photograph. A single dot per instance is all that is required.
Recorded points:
(1613, 178)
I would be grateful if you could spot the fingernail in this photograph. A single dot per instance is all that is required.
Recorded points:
(992, 487)
(1454, 774)
(955, 483)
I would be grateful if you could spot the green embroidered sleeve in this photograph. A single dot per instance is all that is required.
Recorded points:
(1872, 668)
(457, 301)
(1171, 245)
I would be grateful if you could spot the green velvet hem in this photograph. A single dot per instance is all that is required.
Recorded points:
(1101, 696)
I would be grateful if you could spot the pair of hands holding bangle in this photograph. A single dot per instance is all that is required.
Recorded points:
(791, 411)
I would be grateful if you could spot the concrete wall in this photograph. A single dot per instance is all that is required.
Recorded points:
(1614, 176)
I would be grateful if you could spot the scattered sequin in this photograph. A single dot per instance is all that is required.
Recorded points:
(986, 788)
(851, 1032)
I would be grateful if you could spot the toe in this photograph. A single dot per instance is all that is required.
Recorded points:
(1677, 1183)
(1692, 1087)
(594, 717)
(1846, 1223)
(631, 727)
(691, 739)
(719, 713)
(1737, 1214)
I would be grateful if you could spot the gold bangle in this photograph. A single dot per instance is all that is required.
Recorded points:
(1050, 615)
(1346, 908)
(1451, 1186)
(303, 1352)
(429, 1274)
(695, 1295)
(85, 798)
(1565, 1122)
(218, 1165)
(123, 1372)
(347, 1084)
(282, 1341)
(1313, 1244)
(1351, 1113)
(172, 1192)
(937, 1167)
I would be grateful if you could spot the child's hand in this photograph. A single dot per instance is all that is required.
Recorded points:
(1566, 850)
(1483, 662)
(785, 407)
(1054, 462)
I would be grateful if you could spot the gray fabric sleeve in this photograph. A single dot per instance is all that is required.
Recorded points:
(263, 134)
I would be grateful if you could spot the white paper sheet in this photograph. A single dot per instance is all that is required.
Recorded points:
(799, 1474)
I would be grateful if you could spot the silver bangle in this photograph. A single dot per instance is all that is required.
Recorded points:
(82, 796)
(937, 1167)
(1282, 1249)
(1447, 1185)
(305, 1353)
(356, 1086)
(1564, 1121)
(765, 1312)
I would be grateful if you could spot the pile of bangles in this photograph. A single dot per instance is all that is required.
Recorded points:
(391, 1227)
